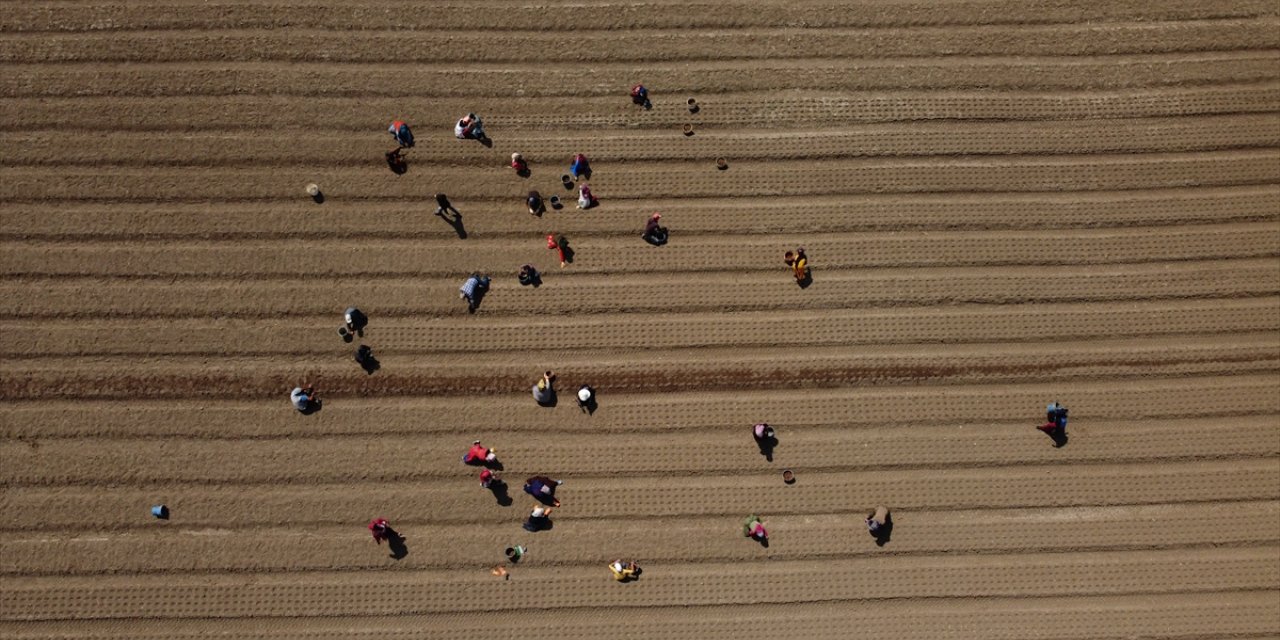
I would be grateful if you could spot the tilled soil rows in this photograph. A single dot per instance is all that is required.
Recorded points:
(1003, 204)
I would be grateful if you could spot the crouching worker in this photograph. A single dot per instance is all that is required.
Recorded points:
(480, 454)
(528, 275)
(539, 518)
(640, 96)
(473, 290)
(1055, 424)
(304, 399)
(624, 570)
(469, 127)
(654, 233)
(543, 391)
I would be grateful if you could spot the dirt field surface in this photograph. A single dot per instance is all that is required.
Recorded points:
(1004, 204)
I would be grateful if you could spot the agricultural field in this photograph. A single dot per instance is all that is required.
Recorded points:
(1003, 203)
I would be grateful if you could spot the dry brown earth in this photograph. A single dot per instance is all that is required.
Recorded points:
(1005, 203)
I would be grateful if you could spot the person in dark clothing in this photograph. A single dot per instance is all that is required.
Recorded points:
(443, 205)
(535, 203)
(543, 488)
(640, 96)
(529, 275)
(654, 233)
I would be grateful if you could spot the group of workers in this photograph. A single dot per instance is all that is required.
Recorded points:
(542, 488)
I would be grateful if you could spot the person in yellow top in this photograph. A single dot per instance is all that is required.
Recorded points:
(624, 570)
(799, 264)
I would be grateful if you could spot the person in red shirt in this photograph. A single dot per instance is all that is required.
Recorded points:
(518, 163)
(552, 243)
(381, 530)
(479, 454)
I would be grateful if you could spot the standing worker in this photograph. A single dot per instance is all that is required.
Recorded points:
(443, 205)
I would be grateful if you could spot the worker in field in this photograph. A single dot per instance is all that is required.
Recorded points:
(401, 133)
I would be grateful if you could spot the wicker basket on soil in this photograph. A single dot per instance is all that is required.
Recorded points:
(313, 190)
(688, 129)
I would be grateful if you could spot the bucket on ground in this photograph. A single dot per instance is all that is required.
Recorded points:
(160, 511)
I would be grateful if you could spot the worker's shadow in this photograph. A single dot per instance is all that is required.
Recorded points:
(568, 251)
(538, 524)
(499, 490)
(551, 400)
(806, 280)
(476, 299)
(550, 501)
(395, 543)
(885, 532)
(766, 446)
(456, 223)
(312, 407)
(367, 360)
(589, 407)
(1059, 437)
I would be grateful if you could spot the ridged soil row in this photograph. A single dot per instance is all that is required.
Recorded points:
(568, 293)
(1243, 615)
(550, 154)
(1131, 401)
(423, 457)
(1116, 573)
(536, 80)
(327, 259)
(862, 176)
(462, 501)
(401, 336)
(649, 371)
(176, 549)
(438, 45)
(94, 15)
(489, 219)
(751, 108)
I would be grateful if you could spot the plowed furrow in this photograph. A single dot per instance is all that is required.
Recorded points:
(800, 110)
(843, 580)
(1130, 401)
(536, 80)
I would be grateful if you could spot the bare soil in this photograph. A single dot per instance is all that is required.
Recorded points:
(1003, 203)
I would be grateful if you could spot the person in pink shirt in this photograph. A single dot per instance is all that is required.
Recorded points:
(753, 528)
